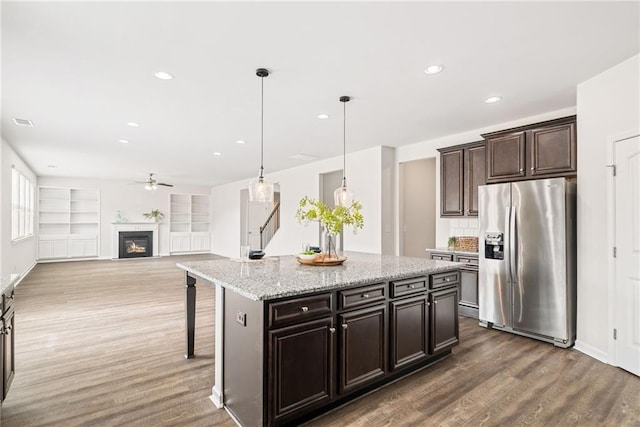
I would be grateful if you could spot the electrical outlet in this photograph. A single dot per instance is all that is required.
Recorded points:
(241, 318)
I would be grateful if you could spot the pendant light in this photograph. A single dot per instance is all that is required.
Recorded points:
(344, 196)
(261, 190)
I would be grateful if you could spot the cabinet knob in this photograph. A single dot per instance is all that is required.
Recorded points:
(435, 302)
(448, 279)
(428, 304)
(532, 168)
(521, 169)
(365, 296)
(345, 326)
(304, 309)
(332, 330)
(412, 286)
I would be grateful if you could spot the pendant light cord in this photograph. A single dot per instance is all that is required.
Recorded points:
(344, 144)
(261, 125)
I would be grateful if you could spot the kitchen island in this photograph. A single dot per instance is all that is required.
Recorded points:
(294, 340)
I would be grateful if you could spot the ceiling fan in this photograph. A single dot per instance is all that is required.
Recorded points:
(152, 184)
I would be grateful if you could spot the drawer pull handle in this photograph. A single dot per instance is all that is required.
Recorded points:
(448, 279)
(365, 296)
(332, 330)
(304, 309)
(345, 326)
(412, 286)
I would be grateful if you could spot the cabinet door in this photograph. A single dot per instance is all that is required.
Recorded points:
(409, 326)
(444, 319)
(53, 248)
(363, 347)
(451, 182)
(552, 150)
(301, 369)
(469, 288)
(200, 241)
(506, 157)
(475, 175)
(8, 362)
(180, 242)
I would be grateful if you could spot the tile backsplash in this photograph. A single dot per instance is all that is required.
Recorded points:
(464, 227)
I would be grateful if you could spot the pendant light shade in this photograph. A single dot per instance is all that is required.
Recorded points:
(260, 190)
(343, 196)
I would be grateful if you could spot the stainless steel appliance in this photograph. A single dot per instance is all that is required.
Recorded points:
(527, 275)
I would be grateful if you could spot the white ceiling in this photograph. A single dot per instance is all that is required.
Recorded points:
(81, 70)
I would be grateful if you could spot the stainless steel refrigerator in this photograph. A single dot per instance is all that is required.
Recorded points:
(527, 271)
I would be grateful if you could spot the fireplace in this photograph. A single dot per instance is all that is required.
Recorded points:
(135, 244)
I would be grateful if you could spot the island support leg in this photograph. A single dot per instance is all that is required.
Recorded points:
(190, 313)
(217, 396)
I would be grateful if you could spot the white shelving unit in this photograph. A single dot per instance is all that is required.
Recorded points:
(189, 222)
(68, 222)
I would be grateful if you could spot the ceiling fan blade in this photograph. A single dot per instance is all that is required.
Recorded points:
(163, 184)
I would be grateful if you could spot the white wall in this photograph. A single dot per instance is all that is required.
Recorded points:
(364, 176)
(446, 227)
(132, 200)
(20, 256)
(608, 104)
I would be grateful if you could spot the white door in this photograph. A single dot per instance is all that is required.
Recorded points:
(627, 261)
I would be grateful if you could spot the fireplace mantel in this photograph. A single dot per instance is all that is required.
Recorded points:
(117, 227)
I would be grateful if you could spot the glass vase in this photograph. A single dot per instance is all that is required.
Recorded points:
(330, 245)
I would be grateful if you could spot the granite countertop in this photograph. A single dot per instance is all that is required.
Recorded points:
(278, 277)
(7, 281)
(449, 251)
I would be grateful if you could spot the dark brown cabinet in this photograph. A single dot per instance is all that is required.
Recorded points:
(7, 343)
(535, 151)
(8, 350)
(324, 348)
(444, 319)
(468, 303)
(363, 349)
(302, 364)
(462, 170)
(408, 331)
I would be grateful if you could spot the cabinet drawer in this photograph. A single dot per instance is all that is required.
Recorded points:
(442, 257)
(467, 259)
(408, 286)
(444, 279)
(361, 296)
(299, 309)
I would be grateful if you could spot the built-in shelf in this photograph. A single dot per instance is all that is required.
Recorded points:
(189, 222)
(68, 222)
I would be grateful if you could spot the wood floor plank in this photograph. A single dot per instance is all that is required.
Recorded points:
(101, 343)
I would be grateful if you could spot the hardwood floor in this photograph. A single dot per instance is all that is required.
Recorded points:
(102, 343)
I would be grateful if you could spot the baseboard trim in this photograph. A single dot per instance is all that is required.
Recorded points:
(591, 351)
(26, 272)
(216, 398)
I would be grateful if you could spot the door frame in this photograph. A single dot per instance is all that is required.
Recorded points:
(611, 239)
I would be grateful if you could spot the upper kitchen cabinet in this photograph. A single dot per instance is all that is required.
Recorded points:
(462, 170)
(540, 150)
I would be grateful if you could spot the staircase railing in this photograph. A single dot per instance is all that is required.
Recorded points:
(270, 226)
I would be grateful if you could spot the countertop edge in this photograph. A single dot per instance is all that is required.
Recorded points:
(448, 265)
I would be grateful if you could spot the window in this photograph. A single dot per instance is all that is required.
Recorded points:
(22, 195)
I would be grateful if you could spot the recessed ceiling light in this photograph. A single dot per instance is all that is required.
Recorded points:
(124, 141)
(323, 116)
(133, 124)
(240, 141)
(163, 75)
(493, 99)
(52, 166)
(217, 153)
(434, 69)
(23, 122)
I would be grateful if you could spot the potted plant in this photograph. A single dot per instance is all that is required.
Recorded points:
(331, 220)
(451, 243)
(155, 214)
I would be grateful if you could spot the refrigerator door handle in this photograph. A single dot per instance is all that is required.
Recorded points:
(513, 254)
(507, 243)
